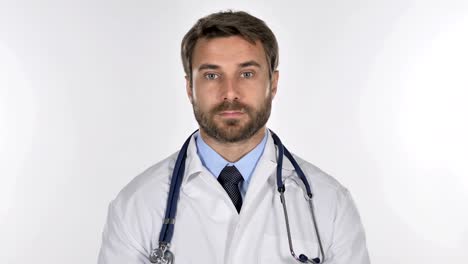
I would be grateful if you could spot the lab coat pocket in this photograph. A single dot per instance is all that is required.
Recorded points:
(275, 249)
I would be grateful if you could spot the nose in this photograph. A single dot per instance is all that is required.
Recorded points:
(230, 91)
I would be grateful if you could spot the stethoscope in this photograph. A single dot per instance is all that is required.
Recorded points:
(162, 254)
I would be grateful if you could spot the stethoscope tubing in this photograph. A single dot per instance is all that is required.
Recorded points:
(283, 151)
(167, 229)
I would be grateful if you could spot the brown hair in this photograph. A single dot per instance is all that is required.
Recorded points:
(225, 24)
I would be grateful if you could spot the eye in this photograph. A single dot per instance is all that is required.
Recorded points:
(247, 75)
(211, 76)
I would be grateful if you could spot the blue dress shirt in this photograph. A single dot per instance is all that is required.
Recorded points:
(215, 163)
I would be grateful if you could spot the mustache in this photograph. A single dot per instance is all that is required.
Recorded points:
(230, 106)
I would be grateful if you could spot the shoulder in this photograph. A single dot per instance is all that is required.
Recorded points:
(327, 190)
(332, 199)
(147, 187)
(143, 199)
(319, 177)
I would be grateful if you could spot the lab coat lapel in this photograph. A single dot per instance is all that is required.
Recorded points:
(265, 169)
(199, 184)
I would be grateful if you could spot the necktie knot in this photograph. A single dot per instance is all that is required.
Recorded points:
(230, 178)
(230, 175)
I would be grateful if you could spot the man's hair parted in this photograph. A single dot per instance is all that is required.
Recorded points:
(225, 24)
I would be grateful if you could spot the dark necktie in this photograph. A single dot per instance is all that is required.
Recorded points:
(230, 178)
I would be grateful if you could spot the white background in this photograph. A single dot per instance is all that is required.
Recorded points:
(372, 92)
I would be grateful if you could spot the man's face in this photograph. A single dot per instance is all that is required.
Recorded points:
(232, 92)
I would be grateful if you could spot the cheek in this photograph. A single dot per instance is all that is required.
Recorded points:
(204, 90)
(258, 91)
(203, 101)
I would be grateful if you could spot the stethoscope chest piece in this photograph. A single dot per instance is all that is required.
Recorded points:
(162, 255)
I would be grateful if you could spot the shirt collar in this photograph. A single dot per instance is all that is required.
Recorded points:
(215, 162)
(194, 165)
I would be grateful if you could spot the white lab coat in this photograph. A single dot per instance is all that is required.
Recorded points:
(209, 230)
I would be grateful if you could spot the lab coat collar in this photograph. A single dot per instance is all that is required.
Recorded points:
(194, 165)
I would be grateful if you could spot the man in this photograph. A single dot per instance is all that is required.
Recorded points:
(229, 209)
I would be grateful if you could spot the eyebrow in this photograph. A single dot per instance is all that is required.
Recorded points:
(208, 66)
(250, 63)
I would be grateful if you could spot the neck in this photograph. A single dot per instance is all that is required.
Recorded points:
(233, 152)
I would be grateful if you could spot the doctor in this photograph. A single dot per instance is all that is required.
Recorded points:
(229, 209)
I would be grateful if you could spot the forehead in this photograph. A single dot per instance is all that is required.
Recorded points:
(226, 51)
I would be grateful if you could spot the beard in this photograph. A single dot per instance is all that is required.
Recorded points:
(233, 130)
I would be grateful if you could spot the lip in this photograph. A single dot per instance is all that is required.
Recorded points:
(231, 113)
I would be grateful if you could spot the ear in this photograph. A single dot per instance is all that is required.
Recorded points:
(189, 89)
(274, 83)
